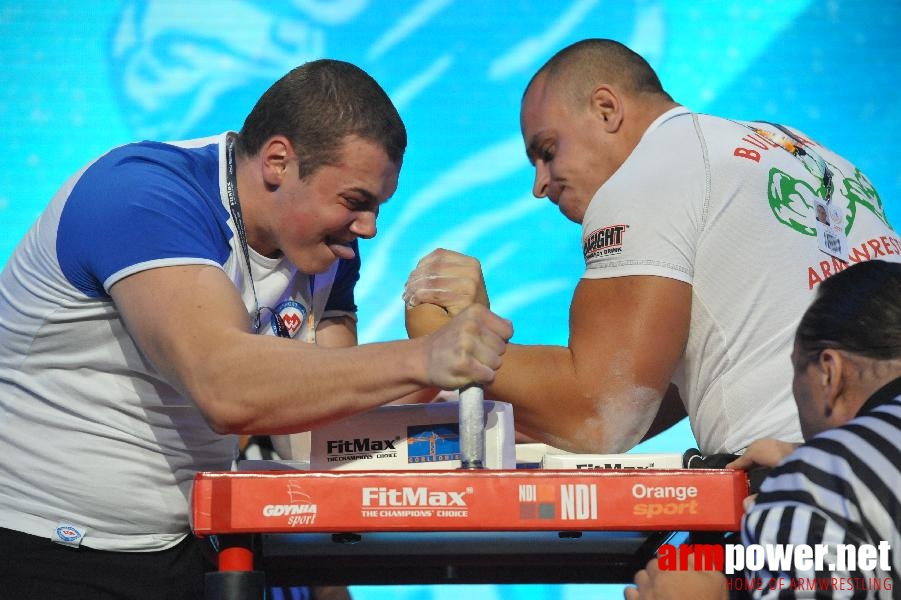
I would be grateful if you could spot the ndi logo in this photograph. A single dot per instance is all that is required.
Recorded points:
(578, 501)
(537, 501)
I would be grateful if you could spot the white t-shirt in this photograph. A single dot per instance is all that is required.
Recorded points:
(711, 202)
(96, 445)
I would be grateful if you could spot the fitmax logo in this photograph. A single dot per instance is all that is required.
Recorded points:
(357, 445)
(408, 496)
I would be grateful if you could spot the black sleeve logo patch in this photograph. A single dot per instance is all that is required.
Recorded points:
(604, 241)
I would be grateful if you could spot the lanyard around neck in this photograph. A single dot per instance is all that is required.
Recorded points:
(231, 188)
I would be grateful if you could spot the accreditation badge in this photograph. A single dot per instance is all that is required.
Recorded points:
(830, 226)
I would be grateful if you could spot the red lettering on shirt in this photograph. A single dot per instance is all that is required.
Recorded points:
(747, 153)
(859, 254)
(812, 278)
(874, 244)
(883, 246)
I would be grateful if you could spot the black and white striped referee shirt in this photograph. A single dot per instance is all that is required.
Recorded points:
(841, 487)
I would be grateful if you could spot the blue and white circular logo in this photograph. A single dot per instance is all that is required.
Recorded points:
(292, 314)
(67, 533)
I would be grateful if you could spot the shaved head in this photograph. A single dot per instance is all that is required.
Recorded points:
(582, 115)
(578, 69)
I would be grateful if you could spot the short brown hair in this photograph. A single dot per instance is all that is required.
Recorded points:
(317, 105)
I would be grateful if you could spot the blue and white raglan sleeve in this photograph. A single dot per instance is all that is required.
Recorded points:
(139, 207)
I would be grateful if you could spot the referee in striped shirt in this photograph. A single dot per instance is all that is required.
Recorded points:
(843, 485)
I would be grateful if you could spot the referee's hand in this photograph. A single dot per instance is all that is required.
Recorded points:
(653, 584)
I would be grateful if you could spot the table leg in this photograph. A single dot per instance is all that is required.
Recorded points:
(235, 579)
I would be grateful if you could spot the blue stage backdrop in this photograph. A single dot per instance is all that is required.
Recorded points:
(78, 78)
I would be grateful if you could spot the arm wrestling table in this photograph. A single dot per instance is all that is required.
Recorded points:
(457, 526)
